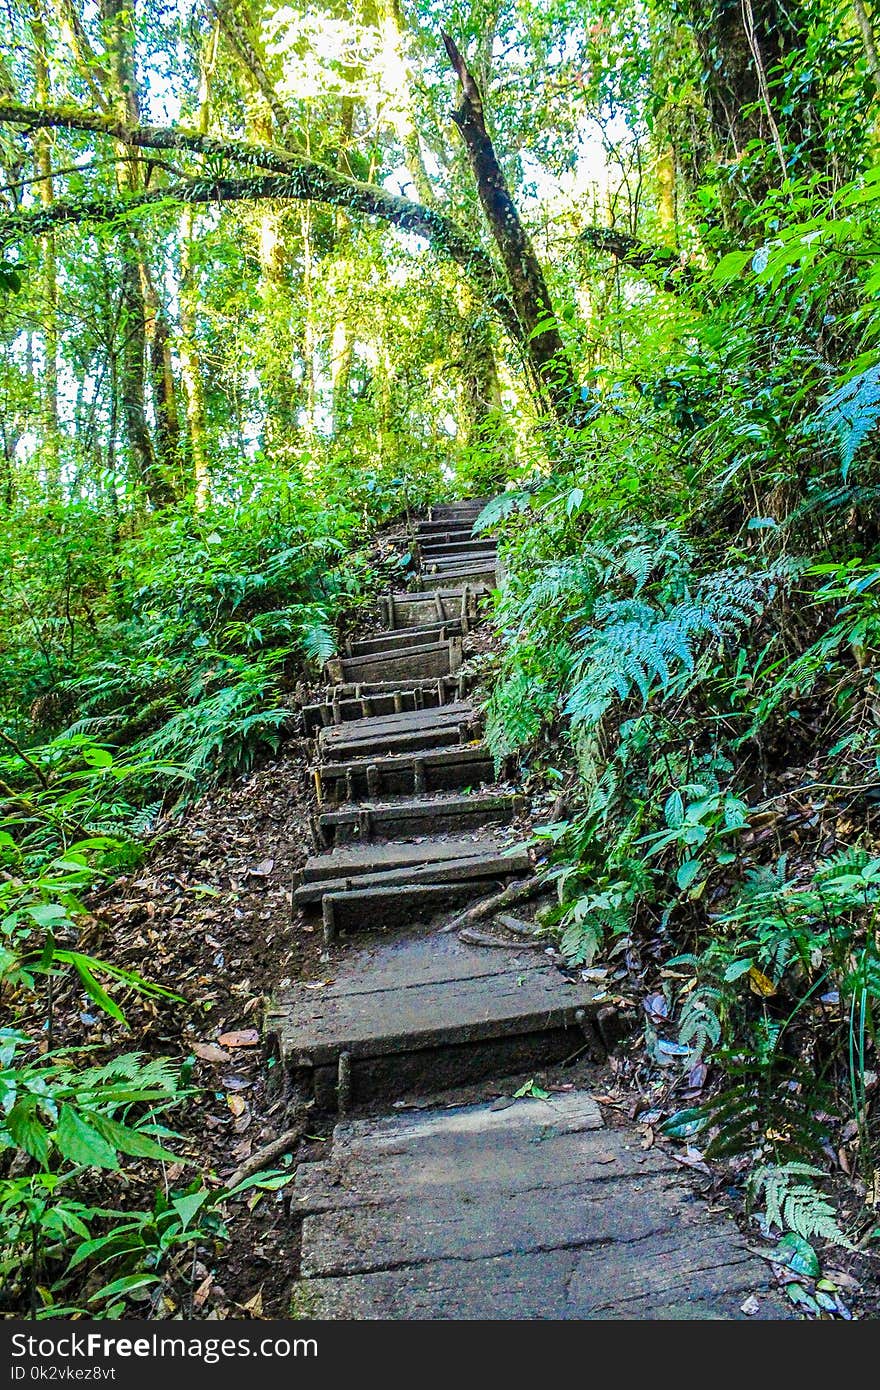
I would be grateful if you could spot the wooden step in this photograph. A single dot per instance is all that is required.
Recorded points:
(374, 738)
(428, 1009)
(457, 550)
(377, 908)
(406, 609)
(407, 741)
(364, 701)
(429, 770)
(534, 1212)
(429, 659)
(408, 816)
(357, 860)
(432, 531)
(472, 574)
(457, 511)
(401, 639)
(496, 866)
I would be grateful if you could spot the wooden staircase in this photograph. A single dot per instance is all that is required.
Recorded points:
(409, 825)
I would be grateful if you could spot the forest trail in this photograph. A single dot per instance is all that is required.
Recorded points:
(522, 1207)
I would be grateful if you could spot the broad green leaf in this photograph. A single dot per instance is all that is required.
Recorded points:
(81, 1143)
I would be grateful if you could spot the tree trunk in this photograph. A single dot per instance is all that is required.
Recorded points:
(540, 336)
(190, 362)
(119, 53)
(866, 29)
(50, 451)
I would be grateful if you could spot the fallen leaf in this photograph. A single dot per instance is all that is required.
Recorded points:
(202, 1291)
(210, 1052)
(254, 1305)
(242, 1037)
(761, 984)
(236, 1105)
(262, 870)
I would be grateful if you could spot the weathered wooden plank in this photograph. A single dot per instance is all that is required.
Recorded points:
(414, 609)
(471, 574)
(390, 733)
(457, 550)
(400, 639)
(426, 770)
(371, 858)
(419, 663)
(535, 1211)
(493, 867)
(415, 816)
(426, 992)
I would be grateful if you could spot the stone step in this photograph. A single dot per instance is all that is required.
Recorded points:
(383, 733)
(395, 697)
(427, 1008)
(421, 662)
(532, 1212)
(401, 639)
(409, 816)
(428, 770)
(471, 870)
(405, 609)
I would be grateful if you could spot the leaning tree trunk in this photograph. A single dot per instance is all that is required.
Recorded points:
(540, 337)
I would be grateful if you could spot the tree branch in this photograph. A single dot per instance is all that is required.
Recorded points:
(638, 255)
(299, 179)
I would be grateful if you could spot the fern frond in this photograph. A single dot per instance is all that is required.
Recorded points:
(851, 412)
(792, 1202)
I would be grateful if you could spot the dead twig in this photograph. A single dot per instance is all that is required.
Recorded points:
(268, 1153)
(472, 937)
(487, 907)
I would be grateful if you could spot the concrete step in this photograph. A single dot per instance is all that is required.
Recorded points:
(531, 1212)
(428, 770)
(401, 639)
(409, 816)
(427, 1009)
(430, 659)
(361, 860)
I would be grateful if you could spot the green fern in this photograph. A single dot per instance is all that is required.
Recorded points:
(851, 412)
(792, 1202)
(318, 641)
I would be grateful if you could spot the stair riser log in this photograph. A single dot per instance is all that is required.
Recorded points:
(402, 639)
(351, 781)
(437, 659)
(365, 825)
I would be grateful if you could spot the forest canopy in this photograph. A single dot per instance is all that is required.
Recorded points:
(274, 275)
